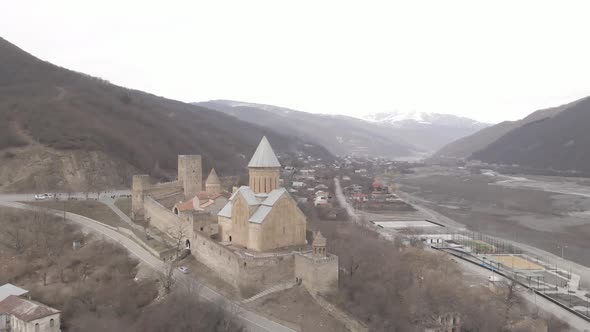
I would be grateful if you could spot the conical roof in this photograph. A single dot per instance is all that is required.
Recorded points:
(264, 156)
(212, 178)
(319, 240)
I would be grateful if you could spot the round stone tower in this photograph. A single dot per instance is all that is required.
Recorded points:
(264, 169)
(190, 174)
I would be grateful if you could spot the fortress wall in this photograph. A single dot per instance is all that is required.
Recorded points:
(168, 201)
(249, 274)
(163, 189)
(160, 217)
(259, 273)
(318, 275)
(217, 257)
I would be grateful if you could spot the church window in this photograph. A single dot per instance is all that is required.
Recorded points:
(37, 327)
(51, 322)
(230, 238)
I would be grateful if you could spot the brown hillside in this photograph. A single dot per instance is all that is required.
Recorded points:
(466, 146)
(62, 110)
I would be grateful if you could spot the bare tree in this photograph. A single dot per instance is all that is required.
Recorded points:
(179, 233)
(510, 298)
(166, 277)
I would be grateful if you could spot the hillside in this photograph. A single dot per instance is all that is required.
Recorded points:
(466, 146)
(49, 114)
(557, 142)
(341, 135)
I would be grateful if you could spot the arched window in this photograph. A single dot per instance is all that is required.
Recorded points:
(37, 327)
(51, 323)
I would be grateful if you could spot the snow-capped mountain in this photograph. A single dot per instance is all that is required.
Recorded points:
(399, 119)
(392, 134)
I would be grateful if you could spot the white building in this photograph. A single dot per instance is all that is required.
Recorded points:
(298, 184)
(21, 315)
(9, 289)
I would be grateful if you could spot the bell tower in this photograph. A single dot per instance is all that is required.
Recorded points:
(264, 169)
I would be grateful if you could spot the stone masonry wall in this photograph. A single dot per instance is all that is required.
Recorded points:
(318, 275)
(160, 217)
(218, 258)
(190, 174)
(249, 274)
(259, 273)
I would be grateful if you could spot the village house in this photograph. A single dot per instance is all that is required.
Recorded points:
(18, 314)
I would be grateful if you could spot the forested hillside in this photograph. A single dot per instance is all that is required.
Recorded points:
(49, 110)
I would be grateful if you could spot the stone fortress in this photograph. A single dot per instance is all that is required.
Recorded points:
(254, 238)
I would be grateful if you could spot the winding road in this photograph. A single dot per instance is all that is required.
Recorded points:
(252, 321)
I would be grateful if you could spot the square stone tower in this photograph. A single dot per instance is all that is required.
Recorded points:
(140, 184)
(190, 174)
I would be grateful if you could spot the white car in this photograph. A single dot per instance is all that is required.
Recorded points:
(42, 196)
(183, 269)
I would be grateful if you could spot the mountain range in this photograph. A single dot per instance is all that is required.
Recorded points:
(61, 129)
(555, 138)
(392, 135)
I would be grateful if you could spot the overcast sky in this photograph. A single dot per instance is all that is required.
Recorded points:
(491, 62)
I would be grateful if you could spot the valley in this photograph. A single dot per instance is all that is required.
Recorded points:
(543, 212)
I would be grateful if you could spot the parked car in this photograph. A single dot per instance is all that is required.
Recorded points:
(183, 269)
(42, 196)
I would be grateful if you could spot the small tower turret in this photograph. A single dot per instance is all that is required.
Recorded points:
(213, 184)
(319, 245)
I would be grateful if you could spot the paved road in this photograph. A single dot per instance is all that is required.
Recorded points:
(252, 321)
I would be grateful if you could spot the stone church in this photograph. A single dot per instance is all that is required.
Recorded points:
(262, 217)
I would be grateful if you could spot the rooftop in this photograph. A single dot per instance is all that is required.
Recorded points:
(212, 178)
(25, 310)
(264, 156)
(264, 207)
(9, 289)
